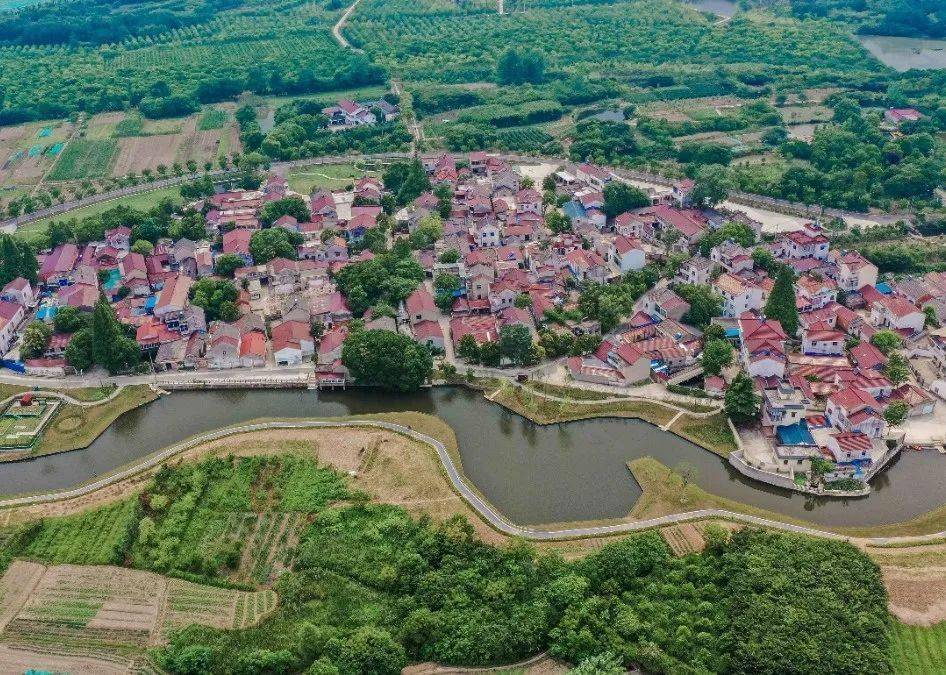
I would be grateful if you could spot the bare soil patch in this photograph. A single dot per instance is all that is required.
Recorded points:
(21, 660)
(917, 595)
(136, 153)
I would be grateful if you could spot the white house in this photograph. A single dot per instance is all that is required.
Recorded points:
(11, 316)
(855, 410)
(823, 342)
(855, 272)
(628, 254)
(897, 314)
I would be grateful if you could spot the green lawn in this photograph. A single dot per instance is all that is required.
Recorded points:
(142, 200)
(918, 650)
(85, 158)
(333, 177)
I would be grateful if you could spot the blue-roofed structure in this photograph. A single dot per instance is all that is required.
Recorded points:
(574, 210)
(884, 287)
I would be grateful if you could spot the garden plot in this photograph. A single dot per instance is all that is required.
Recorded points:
(103, 611)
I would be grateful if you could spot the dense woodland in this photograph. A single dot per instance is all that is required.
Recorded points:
(372, 589)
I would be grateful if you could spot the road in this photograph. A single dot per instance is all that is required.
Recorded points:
(337, 28)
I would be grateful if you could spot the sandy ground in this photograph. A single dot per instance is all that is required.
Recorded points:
(18, 661)
(917, 596)
(771, 220)
(537, 172)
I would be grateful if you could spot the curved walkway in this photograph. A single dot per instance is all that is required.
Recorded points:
(485, 510)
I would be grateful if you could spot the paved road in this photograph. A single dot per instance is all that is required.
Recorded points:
(486, 511)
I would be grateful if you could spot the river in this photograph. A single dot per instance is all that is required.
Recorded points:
(533, 474)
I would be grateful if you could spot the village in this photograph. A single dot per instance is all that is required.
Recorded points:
(512, 251)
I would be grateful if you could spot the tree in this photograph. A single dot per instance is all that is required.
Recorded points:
(445, 287)
(110, 347)
(274, 242)
(515, 344)
(449, 256)
(287, 206)
(217, 297)
(317, 329)
(79, 350)
(606, 663)
(515, 67)
(896, 413)
(17, 259)
(386, 359)
(713, 332)
(468, 349)
(704, 302)
(70, 319)
(558, 222)
(711, 187)
(717, 354)
(762, 257)
(368, 651)
(406, 181)
(142, 246)
(429, 230)
(741, 402)
(35, 340)
(738, 232)
(897, 369)
(620, 197)
(932, 320)
(227, 264)
(781, 303)
(886, 340)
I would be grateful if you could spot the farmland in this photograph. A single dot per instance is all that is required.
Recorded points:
(85, 158)
(918, 650)
(111, 612)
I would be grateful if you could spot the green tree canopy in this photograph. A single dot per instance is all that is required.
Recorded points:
(620, 197)
(386, 359)
(741, 402)
(717, 354)
(781, 304)
(274, 242)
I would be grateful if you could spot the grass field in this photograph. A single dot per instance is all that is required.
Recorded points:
(95, 538)
(331, 177)
(85, 158)
(76, 426)
(917, 650)
(142, 200)
(212, 118)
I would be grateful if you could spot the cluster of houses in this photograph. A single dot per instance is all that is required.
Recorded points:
(823, 390)
(346, 113)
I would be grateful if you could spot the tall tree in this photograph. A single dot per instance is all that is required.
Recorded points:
(717, 354)
(741, 402)
(515, 344)
(781, 304)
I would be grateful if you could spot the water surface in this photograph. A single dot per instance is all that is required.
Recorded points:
(533, 474)
(904, 53)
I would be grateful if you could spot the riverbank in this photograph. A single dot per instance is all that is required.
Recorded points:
(84, 415)
(701, 425)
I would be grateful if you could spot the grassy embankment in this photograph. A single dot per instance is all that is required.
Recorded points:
(141, 200)
(711, 433)
(74, 426)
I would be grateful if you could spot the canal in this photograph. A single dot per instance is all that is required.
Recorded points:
(533, 474)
